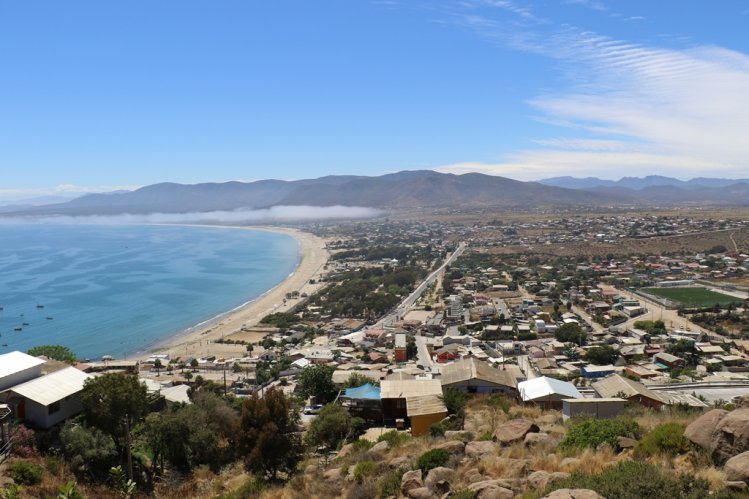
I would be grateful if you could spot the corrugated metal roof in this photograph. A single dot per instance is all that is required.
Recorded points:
(537, 388)
(177, 393)
(613, 385)
(425, 404)
(13, 362)
(52, 387)
(397, 389)
(467, 369)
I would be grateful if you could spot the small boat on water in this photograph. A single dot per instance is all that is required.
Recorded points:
(38, 305)
(25, 324)
(18, 329)
(50, 318)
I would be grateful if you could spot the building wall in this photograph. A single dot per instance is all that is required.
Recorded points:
(599, 410)
(400, 355)
(420, 424)
(484, 387)
(20, 377)
(39, 415)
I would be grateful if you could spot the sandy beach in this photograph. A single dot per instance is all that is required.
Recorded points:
(200, 340)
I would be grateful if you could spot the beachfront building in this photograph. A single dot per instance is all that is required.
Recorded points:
(48, 400)
(18, 367)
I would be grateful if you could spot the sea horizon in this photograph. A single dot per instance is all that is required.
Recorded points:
(122, 290)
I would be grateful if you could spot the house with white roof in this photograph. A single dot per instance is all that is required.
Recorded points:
(47, 400)
(547, 392)
(18, 367)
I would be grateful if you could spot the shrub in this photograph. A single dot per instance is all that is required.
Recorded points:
(363, 469)
(463, 494)
(390, 485)
(439, 429)
(589, 432)
(23, 442)
(638, 479)
(432, 459)
(25, 473)
(394, 438)
(361, 445)
(666, 439)
(330, 427)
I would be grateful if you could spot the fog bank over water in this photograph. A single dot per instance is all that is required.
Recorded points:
(273, 214)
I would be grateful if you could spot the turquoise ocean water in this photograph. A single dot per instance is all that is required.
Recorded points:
(118, 290)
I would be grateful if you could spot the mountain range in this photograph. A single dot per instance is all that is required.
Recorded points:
(402, 190)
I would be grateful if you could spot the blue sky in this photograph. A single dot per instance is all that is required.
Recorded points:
(103, 95)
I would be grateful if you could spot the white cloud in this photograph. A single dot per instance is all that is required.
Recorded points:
(637, 110)
(273, 214)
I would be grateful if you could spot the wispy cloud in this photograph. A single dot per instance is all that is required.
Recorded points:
(632, 109)
(591, 4)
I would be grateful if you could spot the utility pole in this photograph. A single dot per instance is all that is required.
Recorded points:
(224, 377)
(129, 450)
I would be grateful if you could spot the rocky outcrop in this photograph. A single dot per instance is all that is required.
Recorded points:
(540, 479)
(332, 475)
(573, 494)
(454, 447)
(411, 480)
(724, 434)
(481, 448)
(701, 430)
(737, 468)
(380, 447)
(438, 479)
(421, 493)
(491, 489)
(536, 439)
(514, 431)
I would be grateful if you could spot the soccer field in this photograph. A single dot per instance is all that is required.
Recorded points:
(693, 297)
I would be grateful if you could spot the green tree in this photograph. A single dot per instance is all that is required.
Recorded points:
(56, 352)
(356, 379)
(112, 400)
(602, 355)
(88, 450)
(330, 427)
(570, 333)
(269, 437)
(317, 381)
(454, 400)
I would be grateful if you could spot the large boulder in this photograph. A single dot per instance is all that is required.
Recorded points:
(380, 447)
(480, 448)
(454, 447)
(332, 475)
(490, 489)
(439, 479)
(421, 493)
(732, 436)
(537, 438)
(702, 430)
(411, 480)
(540, 479)
(574, 494)
(514, 431)
(737, 468)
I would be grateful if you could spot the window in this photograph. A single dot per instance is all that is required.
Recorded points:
(53, 408)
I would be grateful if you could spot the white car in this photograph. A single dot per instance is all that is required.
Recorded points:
(313, 409)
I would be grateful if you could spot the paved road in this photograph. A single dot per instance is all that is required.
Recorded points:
(657, 312)
(525, 366)
(408, 302)
(588, 319)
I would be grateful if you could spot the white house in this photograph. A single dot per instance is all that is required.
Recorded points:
(48, 400)
(17, 367)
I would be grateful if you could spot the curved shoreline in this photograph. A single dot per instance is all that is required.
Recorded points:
(199, 340)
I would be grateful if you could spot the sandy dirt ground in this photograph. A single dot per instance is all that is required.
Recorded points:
(200, 340)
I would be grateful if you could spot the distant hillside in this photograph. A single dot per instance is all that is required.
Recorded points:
(639, 183)
(407, 189)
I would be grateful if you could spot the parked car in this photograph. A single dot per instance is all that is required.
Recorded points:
(313, 409)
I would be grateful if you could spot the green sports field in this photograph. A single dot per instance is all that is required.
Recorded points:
(693, 297)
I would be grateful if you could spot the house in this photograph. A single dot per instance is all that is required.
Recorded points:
(668, 360)
(591, 371)
(447, 353)
(399, 352)
(176, 394)
(476, 376)
(547, 392)
(423, 394)
(48, 400)
(364, 402)
(17, 367)
(603, 408)
(625, 388)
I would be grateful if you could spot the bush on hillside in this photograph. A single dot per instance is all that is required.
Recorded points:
(667, 439)
(638, 479)
(589, 432)
(363, 469)
(25, 473)
(394, 438)
(432, 459)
